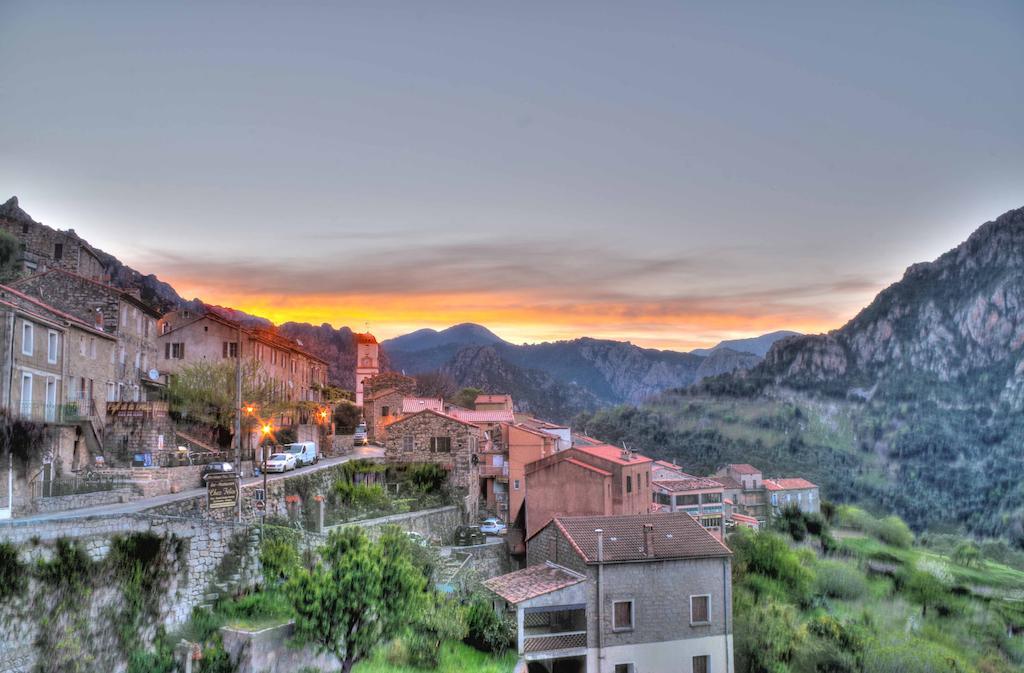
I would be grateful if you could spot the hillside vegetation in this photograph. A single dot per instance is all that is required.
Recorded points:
(867, 598)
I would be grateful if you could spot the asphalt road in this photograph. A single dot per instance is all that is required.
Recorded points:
(156, 501)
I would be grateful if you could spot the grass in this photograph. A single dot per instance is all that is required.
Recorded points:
(455, 658)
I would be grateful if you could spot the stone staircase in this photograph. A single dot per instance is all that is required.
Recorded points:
(451, 564)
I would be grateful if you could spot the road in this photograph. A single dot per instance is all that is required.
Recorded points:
(156, 501)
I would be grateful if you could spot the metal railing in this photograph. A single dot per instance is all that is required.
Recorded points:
(554, 641)
(493, 470)
(87, 483)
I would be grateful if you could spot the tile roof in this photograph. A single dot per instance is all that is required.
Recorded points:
(612, 454)
(534, 431)
(485, 416)
(533, 581)
(744, 468)
(674, 536)
(729, 482)
(123, 294)
(365, 338)
(35, 301)
(410, 405)
(680, 485)
(579, 463)
(492, 399)
(381, 393)
(403, 419)
(788, 484)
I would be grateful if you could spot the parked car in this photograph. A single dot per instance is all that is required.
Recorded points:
(493, 526)
(217, 468)
(305, 453)
(360, 437)
(281, 462)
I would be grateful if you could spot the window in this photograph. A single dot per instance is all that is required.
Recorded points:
(472, 442)
(26, 338)
(440, 444)
(702, 664)
(385, 410)
(688, 499)
(51, 347)
(174, 351)
(623, 668)
(58, 250)
(700, 609)
(711, 497)
(711, 521)
(662, 498)
(92, 347)
(408, 443)
(111, 392)
(26, 394)
(622, 616)
(515, 485)
(629, 484)
(229, 349)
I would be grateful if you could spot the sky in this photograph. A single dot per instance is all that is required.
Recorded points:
(668, 173)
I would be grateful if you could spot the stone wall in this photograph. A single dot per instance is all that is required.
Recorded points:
(268, 651)
(137, 427)
(41, 246)
(437, 524)
(65, 502)
(487, 560)
(211, 558)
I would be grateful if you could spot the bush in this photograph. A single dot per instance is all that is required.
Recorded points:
(361, 496)
(488, 631)
(442, 619)
(278, 553)
(891, 530)
(913, 655)
(836, 579)
(768, 554)
(427, 477)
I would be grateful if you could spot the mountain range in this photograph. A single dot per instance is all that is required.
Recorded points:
(914, 405)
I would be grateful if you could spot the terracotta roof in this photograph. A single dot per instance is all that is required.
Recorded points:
(788, 484)
(680, 485)
(522, 585)
(365, 338)
(612, 454)
(743, 468)
(493, 399)
(382, 392)
(486, 416)
(729, 482)
(410, 405)
(534, 431)
(436, 413)
(579, 463)
(675, 536)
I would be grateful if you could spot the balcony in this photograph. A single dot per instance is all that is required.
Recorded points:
(65, 412)
(548, 630)
(494, 471)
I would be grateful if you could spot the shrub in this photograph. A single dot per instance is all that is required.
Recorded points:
(361, 496)
(768, 554)
(442, 619)
(913, 655)
(13, 575)
(427, 477)
(488, 631)
(891, 530)
(278, 553)
(836, 579)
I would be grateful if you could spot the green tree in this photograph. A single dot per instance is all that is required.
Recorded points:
(9, 249)
(205, 391)
(466, 397)
(358, 597)
(923, 588)
(767, 636)
(441, 620)
(966, 554)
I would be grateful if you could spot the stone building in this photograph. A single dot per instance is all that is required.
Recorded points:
(117, 312)
(44, 247)
(613, 594)
(189, 336)
(792, 492)
(431, 436)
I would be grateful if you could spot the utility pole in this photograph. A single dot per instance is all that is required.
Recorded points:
(238, 420)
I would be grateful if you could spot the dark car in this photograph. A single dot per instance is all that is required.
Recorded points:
(217, 468)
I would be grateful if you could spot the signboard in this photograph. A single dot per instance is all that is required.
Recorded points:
(259, 495)
(221, 491)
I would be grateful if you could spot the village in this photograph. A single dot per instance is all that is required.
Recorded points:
(606, 559)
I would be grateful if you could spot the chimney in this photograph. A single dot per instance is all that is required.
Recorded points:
(625, 454)
(600, 545)
(649, 540)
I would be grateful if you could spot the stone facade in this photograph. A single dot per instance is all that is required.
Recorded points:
(187, 337)
(414, 439)
(44, 247)
(117, 312)
(380, 409)
(138, 428)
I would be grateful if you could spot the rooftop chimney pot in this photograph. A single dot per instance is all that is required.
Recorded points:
(649, 540)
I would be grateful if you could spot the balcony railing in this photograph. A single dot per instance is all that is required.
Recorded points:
(494, 471)
(557, 641)
(551, 630)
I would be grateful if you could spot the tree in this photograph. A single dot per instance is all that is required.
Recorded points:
(346, 417)
(358, 597)
(966, 554)
(9, 249)
(466, 397)
(435, 384)
(21, 441)
(924, 588)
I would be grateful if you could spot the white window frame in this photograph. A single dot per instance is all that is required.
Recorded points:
(632, 616)
(50, 400)
(26, 403)
(704, 623)
(515, 484)
(52, 346)
(630, 666)
(27, 345)
(707, 656)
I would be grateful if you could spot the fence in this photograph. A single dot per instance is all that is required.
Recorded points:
(89, 483)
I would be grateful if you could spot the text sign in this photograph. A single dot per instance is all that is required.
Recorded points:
(221, 491)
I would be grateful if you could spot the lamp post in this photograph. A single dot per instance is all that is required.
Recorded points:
(265, 431)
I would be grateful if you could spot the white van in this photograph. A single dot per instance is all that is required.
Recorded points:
(305, 453)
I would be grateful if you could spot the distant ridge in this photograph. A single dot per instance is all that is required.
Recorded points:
(758, 346)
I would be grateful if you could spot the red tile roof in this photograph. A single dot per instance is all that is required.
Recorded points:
(588, 467)
(612, 454)
(680, 485)
(485, 416)
(366, 338)
(728, 482)
(435, 412)
(674, 536)
(522, 585)
(788, 484)
(410, 405)
(492, 399)
(744, 468)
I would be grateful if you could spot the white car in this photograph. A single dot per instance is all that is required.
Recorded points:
(360, 437)
(493, 526)
(281, 462)
(305, 453)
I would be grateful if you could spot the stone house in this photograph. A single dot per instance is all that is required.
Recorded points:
(700, 497)
(380, 409)
(608, 476)
(117, 312)
(189, 336)
(44, 247)
(794, 491)
(744, 486)
(431, 436)
(618, 594)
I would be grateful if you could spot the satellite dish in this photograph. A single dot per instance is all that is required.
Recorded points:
(154, 375)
